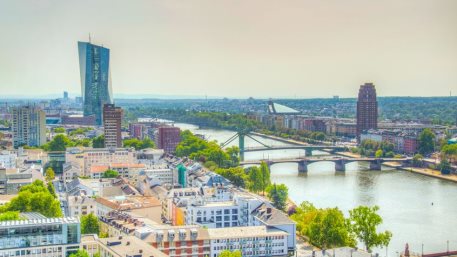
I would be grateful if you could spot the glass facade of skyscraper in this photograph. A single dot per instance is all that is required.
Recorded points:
(95, 79)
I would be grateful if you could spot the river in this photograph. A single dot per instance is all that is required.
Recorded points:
(417, 209)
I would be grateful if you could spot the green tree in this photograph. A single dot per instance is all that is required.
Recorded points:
(364, 222)
(59, 130)
(98, 142)
(329, 229)
(50, 175)
(90, 224)
(418, 160)
(227, 253)
(51, 189)
(58, 143)
(236, 175)
(255, 179)
(279, 195)
(9, 215)
(80, 253)
(110, 174)
(265, 176)
(445, 167)
(426, 141)
(378, 153)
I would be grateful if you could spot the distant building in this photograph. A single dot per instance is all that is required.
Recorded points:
(94, 65)
(29, 126)
(112, 119)
(65, 95)
(37, 235)
(367, 109)
(88, 157)
(137, 130)
(168, 138)
(275, 108)
(78, 120)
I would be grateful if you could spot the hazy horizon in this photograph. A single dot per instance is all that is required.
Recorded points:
(234, 49)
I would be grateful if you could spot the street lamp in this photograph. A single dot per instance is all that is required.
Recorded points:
(422, 250)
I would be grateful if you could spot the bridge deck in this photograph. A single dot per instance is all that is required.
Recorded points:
(332, 159)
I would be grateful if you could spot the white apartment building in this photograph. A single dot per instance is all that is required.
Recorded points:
(250, 241)
(81, 205)
(162, 173)
(7, 160)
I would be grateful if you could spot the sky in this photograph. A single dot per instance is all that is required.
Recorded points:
(233, 48)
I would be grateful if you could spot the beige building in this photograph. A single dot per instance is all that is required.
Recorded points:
(118, 246)
(81, 205)
(88, 157)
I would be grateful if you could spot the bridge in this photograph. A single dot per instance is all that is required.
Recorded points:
(308, 148)
(340, 162)
(241, 134)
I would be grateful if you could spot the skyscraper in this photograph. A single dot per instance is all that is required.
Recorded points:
(367, 109)
(112, 119)
(29, 126)
(95, 79)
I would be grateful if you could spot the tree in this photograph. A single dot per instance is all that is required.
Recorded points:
(418, 160)
(255, 181)
(265, 176)
(98, 142)
(80, 253)
(110, 174)
(139, 144)
(51, 189)
(59, 130)
(426, 141)
(279, 195)
(227, 253)
(9, 215)
(329, 229)
(58, 143)
(445, 167)
(90, 224)
(50, 175)
(378, 153)
(364, 222)
(236, 175)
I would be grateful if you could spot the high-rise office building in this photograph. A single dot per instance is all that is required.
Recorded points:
(367, 109)
(168, 138)
(29, 126)
(95, 78)
(65, 95)
(112, 119)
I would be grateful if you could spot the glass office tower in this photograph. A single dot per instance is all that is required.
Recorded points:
(95, 79)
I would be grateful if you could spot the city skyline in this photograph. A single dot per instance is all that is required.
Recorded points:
(236, 49)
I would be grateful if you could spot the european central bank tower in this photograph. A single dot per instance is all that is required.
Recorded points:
(95, 79)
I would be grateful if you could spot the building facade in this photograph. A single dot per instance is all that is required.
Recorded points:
(40, 236)
(29, 126)
(94, 65)
(367, 109)
(112, 119)
(168, 138)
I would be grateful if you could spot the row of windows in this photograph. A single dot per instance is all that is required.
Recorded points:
(248, 239)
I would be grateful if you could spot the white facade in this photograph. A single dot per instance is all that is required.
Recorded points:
(81, 205)
(7, 160)
(251, 241)
(162, 173)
